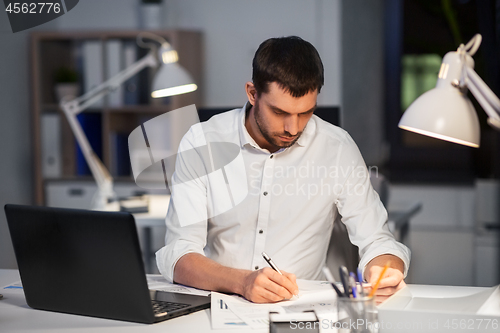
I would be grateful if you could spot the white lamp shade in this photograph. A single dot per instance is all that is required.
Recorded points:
(443, 113)
(172, 79)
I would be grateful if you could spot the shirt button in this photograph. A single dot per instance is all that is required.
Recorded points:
(271, 156)
(256, 267)
(261, 231)
(265, 193)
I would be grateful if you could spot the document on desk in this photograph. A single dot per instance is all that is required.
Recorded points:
(418, 308)
(225, 318)
(14, 286)
(485, 302)
(313, 295)
(158, 282)
(492, 305)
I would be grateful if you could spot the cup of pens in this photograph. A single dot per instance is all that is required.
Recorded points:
(357, 315)
(356, 310)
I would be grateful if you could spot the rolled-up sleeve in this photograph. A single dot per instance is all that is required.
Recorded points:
(186, 220)
(363, 213)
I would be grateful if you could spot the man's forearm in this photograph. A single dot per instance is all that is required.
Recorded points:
(262, 286)
(194, 269)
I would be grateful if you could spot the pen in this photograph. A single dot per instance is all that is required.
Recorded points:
(270, 262)
(344, 277)
(360, 280)
(329, 278)
(360, 276)
(375, 287)
(352, 282)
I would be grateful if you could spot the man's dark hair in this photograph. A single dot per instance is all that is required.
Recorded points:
(291, 62)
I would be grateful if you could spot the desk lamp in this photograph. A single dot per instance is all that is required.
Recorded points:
(446, 112)
(171, 79)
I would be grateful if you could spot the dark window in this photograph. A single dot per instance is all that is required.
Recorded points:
(418, 34)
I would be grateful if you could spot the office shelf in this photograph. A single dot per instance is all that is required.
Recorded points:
(52, 50)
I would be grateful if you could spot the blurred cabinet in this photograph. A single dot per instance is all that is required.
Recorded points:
(487, 259)
(487, 242)
(95, 57)
(78, 194)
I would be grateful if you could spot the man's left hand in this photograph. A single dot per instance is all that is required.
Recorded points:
(393, 277)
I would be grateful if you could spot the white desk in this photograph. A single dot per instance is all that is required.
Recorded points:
(16, 316)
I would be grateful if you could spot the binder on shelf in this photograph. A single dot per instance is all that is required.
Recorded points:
(113, 67)
(120, 158)
(92, 54)
(91, 125)
(131, 86)
(144, 79)
(51, 145)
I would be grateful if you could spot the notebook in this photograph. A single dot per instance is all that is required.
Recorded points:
(88, 263)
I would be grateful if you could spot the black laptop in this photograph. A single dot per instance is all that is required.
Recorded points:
(88, 263)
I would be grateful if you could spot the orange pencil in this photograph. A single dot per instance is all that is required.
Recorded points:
(375, 287)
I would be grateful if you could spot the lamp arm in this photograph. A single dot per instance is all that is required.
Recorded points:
(483, 94)
(93, 95)
(72, 108)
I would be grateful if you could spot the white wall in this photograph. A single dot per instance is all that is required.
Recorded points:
(100, 14)
(233, 31)
(442, 236)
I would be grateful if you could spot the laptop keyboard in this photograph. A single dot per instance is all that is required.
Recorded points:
(161, 308)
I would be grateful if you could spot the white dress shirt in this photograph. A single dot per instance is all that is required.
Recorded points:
(281, 203)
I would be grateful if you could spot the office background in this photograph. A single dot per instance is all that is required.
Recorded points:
(352, 39)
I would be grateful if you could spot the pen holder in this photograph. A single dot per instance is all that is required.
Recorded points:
(357, 315)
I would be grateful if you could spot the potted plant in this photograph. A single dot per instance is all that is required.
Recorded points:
(66, 83)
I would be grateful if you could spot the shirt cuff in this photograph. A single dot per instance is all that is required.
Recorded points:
(403, 254)
(166, 261)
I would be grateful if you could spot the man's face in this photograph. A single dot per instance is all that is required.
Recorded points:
(278, 118)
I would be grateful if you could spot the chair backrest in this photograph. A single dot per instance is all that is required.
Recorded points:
(341, 252)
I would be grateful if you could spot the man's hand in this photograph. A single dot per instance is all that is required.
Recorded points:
(393, 277)
(267, 286)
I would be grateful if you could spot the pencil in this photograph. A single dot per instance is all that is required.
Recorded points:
(375, 287)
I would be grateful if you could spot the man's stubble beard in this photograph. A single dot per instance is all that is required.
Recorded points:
(267, 135)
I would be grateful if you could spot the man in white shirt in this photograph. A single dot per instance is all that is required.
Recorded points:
(279, 192)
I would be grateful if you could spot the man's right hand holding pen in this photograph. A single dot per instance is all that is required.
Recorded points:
(268, 286)
(265, 285)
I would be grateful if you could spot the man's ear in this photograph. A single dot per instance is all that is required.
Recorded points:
(251, 92)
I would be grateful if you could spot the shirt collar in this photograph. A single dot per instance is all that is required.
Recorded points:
(245, 137)
(308, 133)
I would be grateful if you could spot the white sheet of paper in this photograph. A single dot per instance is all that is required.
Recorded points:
(158, 282)
(254, 315)
(14, 286)
(492, 305)
(313, 295)
(222, 316)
